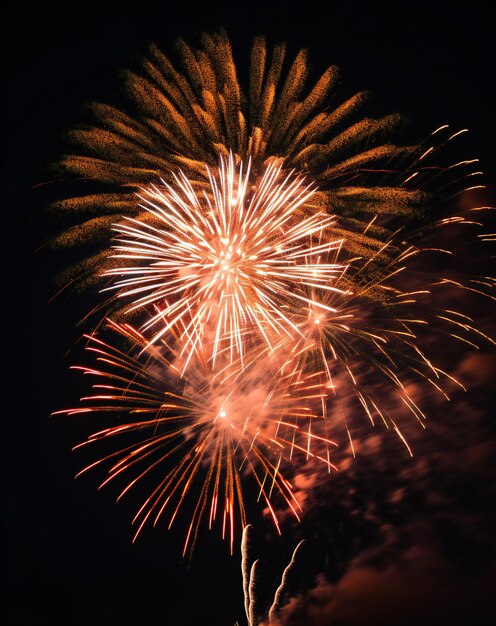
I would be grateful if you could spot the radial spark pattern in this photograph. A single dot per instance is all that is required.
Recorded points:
(223, 265)
(201, 433)
(181, 114)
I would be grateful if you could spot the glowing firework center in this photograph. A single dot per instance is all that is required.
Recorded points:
(223, 265)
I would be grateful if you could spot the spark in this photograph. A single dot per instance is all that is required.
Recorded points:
(249, 580)
(282, 585)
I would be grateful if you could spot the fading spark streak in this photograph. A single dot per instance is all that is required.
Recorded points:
(249, 581)
(282, 585)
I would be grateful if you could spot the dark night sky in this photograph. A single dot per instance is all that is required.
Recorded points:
(67, 555)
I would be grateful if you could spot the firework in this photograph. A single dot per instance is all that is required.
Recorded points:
(184, 119)
(177, 431)
(257, 296)
(225, 264)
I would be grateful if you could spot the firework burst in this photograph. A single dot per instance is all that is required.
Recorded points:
(183, 120)
(226, 264)
(268, 289)
(176, 432)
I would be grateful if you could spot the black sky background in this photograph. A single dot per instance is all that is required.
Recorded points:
(67, 555)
